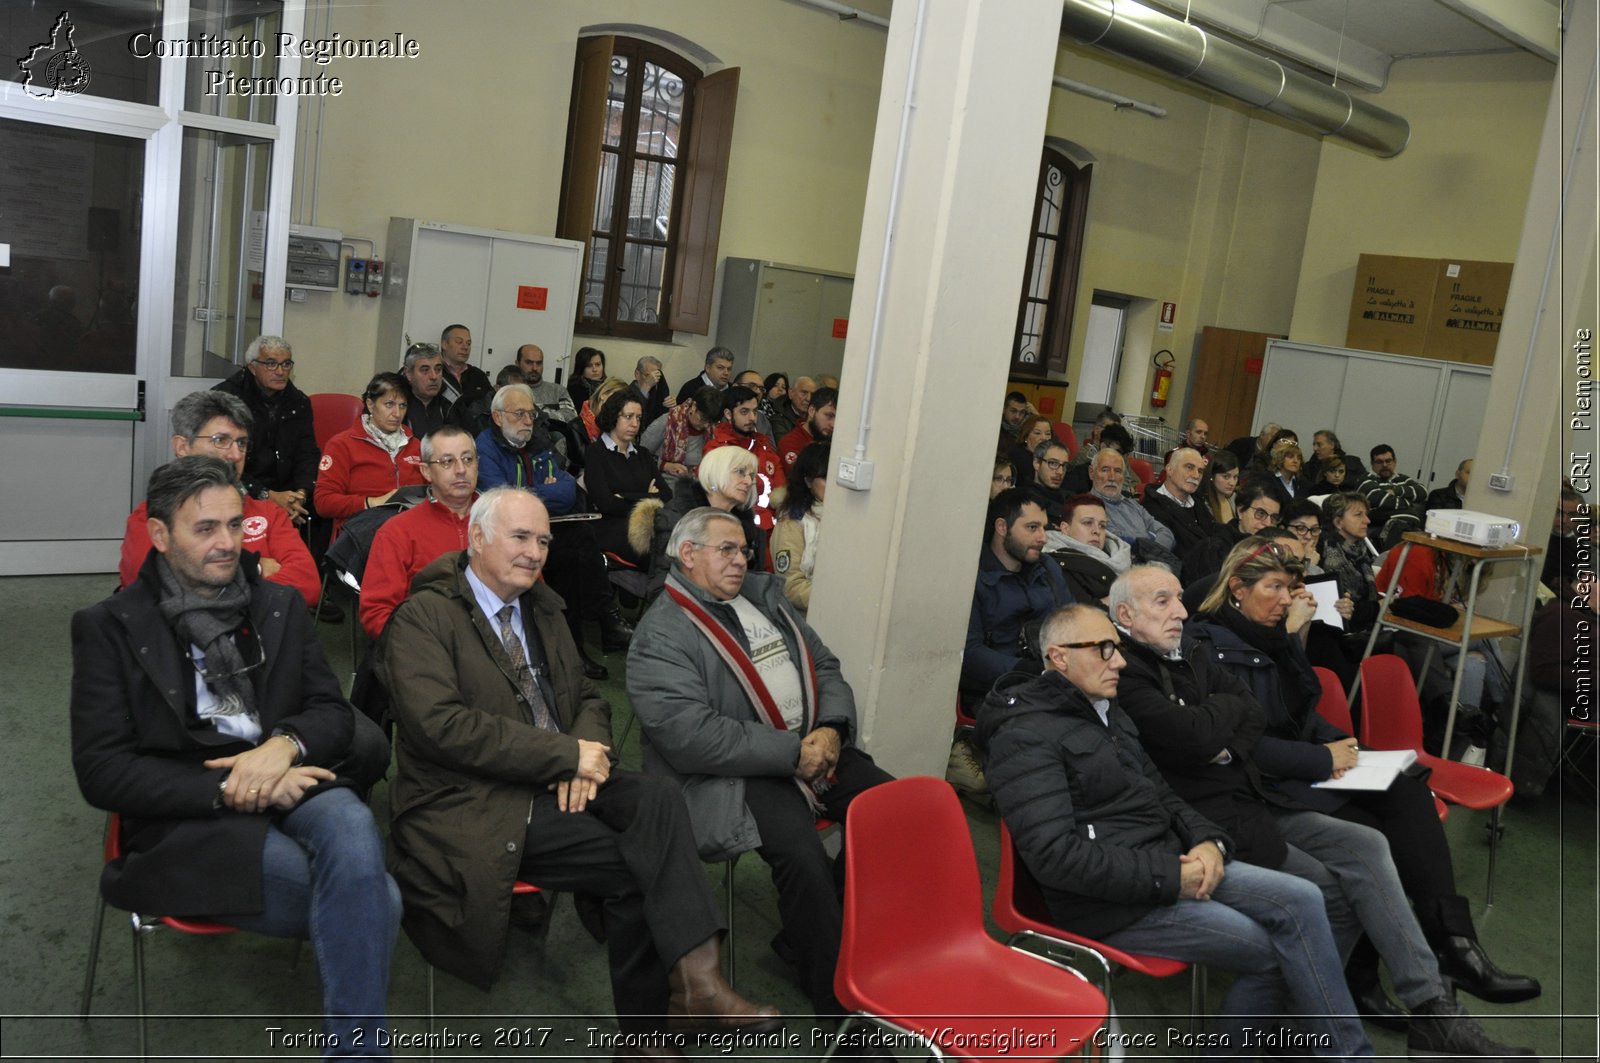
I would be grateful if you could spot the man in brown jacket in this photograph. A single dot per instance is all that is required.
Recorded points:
(505, 772)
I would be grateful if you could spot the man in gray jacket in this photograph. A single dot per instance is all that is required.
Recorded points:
(745, 707)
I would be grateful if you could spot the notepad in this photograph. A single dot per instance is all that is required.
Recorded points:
(1375, 769)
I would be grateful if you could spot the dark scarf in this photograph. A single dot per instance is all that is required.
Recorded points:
(1272, 641)
(210, 623)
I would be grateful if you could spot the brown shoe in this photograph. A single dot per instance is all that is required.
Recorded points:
(703, 1002)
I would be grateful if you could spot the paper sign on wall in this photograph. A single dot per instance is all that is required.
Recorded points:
(531, 298)
(1169, 314)
(840, 326)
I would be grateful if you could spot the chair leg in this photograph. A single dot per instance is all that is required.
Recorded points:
(1494, 848)
(727, 888)
(139, 930)
(94, 954)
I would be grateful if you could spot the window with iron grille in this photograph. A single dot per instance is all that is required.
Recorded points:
(1050, 278)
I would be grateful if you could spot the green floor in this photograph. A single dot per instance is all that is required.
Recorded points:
(222, 998)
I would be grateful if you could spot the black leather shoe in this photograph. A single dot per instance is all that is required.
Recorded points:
(1375, 1007)
(593, 668)
(1463, 961)
(615, 632)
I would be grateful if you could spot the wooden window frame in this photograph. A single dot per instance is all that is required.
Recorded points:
(1066, 264)
(699, 183)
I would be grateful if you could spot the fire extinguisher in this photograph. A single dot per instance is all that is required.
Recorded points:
(1163, 382)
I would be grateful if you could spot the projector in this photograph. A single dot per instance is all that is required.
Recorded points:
(1470, 526)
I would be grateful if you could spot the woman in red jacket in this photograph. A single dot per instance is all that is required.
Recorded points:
(368, 462)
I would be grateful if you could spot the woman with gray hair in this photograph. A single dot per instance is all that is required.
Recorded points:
(726, 481)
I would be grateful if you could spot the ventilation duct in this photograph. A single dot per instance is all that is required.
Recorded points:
(1189, 53)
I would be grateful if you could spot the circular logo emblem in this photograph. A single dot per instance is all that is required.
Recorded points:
(780, 564)
(68, 73)
(326, 463)
(254, 527)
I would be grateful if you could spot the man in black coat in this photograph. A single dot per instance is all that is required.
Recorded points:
(1173, 502)
(204, 713)
(281, 464)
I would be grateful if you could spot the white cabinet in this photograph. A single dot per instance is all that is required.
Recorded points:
(508, 288)
(778, 318)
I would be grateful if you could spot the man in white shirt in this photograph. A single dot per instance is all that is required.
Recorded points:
(1172, 502)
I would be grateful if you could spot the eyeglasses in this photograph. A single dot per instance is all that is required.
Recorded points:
(727, 550)
(466, 461)
(519, 415)
(223, 441)
(1306, 531)
(1003, 479)
(1106, 647)
(1263, 515)
(1053, 464)
(210, 675)
(275, 367)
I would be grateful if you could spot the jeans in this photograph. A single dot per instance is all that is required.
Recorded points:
(1272, 930)
(1364, 878)
(324, 879)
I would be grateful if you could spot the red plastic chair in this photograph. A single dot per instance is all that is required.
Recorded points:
(1065, 433)
(1143, 470)
(1393, 720)
(1020, 910)
(1335, 708)
(963, 717)
(143, 926)
(332, 413)
(929, 969)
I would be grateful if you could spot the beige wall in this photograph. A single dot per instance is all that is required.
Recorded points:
(1457, 191)
(472, 133)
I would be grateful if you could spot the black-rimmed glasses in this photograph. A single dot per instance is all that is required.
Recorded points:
(1107, 647)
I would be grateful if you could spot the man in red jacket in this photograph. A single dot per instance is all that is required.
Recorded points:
(817, 429)
(738, 429)
(408, 543)
(216, 424)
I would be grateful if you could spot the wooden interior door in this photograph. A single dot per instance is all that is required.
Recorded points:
(1227, 375)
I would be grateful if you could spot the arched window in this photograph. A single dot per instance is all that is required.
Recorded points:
(646, 167)
(1050, 279)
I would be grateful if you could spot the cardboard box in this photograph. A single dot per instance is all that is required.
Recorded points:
(1468, 306)
(1392, 304)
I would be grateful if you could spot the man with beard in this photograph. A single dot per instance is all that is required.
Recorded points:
(462, 382)
(552, 400)
(1127, 519)
(753, 380)
(408, 543)
(204, 712)
(1173, 502)
(738, 429)
(517, 451)
(1054, 480)
(817, 429)
(1017, 587)
(424, 371)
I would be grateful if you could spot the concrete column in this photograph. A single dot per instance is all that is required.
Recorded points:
(895, 578)
(1550, 328)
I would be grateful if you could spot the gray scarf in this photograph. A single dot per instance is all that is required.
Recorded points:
(210, 623)
(393, 442)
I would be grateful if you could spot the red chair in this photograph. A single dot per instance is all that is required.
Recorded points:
(1392, 719)
(143, 926)
(1143, 470)
(332, 413)
(1065, 433)
(1020, 910)
(964, 719)
(915, 957)
(1335, 708)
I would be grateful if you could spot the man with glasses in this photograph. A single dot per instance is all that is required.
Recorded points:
(1122, 859)
(424, 371)
(204, 712)
(1054, 481)
(518, 451)
(1394, 500)
(282, 464)
(409, 542)
(215, 424)
(744, 706)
